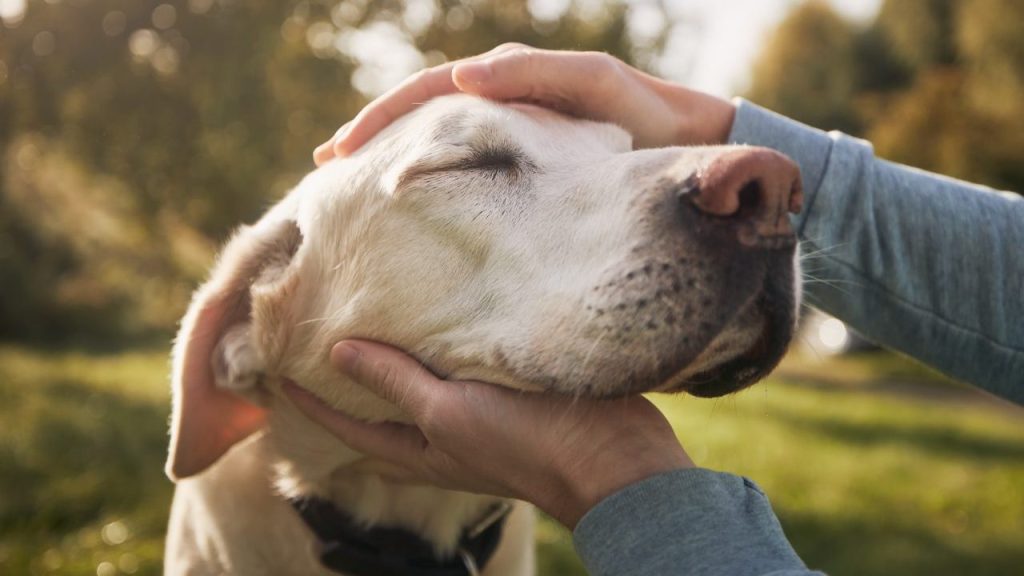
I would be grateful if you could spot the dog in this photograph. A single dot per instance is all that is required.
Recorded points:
(493, 241)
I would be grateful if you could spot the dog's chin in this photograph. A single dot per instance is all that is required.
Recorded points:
(756, 361)
(733, 375)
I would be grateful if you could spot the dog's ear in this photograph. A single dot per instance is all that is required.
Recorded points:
(214, 356)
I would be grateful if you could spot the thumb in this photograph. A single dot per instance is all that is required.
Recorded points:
(387, 441)
(389, 373)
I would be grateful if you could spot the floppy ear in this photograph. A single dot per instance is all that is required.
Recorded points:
(214, 355)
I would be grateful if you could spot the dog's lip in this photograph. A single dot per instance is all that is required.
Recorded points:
(754, 363)
(720, 379)
(735, 374)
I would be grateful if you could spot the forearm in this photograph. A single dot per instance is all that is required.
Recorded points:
(917, 262)
(693, 521)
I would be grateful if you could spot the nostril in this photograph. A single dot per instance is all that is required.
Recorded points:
(750, 189)
(748, 182)
(749, 199)
(689, 188)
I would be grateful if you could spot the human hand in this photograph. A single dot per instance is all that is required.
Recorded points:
(563, 454)
(590, 85)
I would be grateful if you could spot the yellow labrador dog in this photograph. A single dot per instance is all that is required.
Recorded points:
(503, 243)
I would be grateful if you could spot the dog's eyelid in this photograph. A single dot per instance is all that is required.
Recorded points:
(504, 157)
(497, 157)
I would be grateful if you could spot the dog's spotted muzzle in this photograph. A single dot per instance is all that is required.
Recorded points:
(708, 303)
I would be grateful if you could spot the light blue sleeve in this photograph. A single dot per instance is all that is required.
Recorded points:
(695, 522)
(920, 263)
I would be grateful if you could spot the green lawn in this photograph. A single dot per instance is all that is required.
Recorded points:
(875, 466)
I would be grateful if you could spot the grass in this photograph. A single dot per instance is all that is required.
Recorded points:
(874, 465)
(81, 450)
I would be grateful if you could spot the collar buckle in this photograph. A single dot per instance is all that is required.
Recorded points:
(498, 512)
(469, 562)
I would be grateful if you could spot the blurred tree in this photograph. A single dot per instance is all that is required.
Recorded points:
(135, 133)
(906, 128)
(990, 39)
(920, 32)
(808, 68)
(937, 84)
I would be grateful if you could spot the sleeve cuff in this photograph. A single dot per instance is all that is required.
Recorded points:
(692, 521)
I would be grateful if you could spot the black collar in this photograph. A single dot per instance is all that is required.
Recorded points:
(354, 550)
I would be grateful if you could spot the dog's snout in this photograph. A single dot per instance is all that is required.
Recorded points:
(754, 188)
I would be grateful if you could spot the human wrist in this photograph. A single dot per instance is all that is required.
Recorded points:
(583, 487)
(700, 119)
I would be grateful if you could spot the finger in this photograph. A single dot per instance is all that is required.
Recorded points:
(391, 374)
(380, 113)
(530, 74)
(401, 99)
(390, 441)
(325, 151)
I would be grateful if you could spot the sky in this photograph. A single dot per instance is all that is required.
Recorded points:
(732, 34)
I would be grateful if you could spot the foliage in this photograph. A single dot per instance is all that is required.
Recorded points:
(811, 53)
(937, 84)
(912, 477)
(81, 455)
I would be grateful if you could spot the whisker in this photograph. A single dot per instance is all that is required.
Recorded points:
(820, 251)
(315, 320)
(586, 360)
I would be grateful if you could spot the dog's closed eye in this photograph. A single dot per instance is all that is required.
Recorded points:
(503, 159)
(492, 160)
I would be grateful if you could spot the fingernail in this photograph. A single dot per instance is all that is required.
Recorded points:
(475, 72)
(344, 356)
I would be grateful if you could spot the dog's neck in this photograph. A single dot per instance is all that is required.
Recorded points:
(307, 461)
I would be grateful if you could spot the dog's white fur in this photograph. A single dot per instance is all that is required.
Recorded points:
(494, 242)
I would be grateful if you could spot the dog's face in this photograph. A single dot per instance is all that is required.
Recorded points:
(510, 244)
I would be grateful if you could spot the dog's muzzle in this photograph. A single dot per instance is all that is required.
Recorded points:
(751, 192)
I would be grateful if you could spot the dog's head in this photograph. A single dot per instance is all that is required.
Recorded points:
(504, 243)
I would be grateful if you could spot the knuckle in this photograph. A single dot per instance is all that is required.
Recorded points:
(601, 63)
(524, 61)
(606, 70)
(508, 46)
(521, 56)
(526, 52)
(597, 56)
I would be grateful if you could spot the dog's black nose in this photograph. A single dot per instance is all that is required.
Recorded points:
(755, 188)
